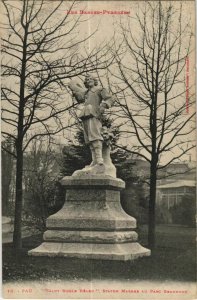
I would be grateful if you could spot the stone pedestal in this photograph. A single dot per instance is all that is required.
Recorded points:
(92, 223)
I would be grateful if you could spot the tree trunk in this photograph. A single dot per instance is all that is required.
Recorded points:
(152, 200)
(18, 198)
(6, 179)
(19, 151)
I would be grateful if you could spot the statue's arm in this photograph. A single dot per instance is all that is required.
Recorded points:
(78, 90)
(107, 99)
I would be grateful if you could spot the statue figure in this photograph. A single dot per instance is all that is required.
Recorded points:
(95, 100)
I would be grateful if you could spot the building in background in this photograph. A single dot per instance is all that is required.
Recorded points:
(173, 193)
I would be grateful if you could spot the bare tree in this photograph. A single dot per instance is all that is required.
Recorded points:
(151, 92)
(7, 170)
(40, 46)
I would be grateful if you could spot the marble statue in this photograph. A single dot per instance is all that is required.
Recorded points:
(92, 223)
(95, 101)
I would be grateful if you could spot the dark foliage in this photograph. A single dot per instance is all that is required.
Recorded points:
(134, 201)
(185, 212)
(75, 157)
(163, 214)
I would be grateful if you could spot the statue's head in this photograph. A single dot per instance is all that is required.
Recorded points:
(90, 81)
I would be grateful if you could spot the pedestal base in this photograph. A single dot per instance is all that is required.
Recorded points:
(92, 223)
(123, 252)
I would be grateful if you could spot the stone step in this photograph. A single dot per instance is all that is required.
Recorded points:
(123, 252)
(88, 236)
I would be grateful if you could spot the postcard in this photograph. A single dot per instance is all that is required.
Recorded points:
(98, 149)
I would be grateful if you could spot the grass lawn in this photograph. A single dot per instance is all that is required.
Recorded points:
(172, 259)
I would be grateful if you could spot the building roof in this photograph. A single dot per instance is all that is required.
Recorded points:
(179, 183)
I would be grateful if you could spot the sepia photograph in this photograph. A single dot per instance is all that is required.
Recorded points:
(98, 149)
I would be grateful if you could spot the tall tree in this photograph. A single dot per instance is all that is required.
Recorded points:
(40, 46)
(153, 101)
(7, 176)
